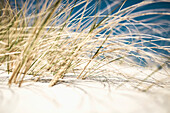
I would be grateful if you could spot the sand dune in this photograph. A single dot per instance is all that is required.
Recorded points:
(80, 96)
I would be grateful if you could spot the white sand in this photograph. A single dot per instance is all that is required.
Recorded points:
(77, 96)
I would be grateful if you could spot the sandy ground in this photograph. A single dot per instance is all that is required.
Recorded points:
(82, 96)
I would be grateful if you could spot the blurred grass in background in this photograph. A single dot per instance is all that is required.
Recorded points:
(56, 37)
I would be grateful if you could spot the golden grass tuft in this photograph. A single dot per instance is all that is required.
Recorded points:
(53, 38)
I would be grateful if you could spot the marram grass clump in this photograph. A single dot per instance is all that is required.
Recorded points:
(84, 37)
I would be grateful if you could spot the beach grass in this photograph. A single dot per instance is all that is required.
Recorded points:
(56, 37)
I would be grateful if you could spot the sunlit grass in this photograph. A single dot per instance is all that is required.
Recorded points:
(59, 37)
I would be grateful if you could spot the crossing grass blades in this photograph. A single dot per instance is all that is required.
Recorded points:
(58, 37)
